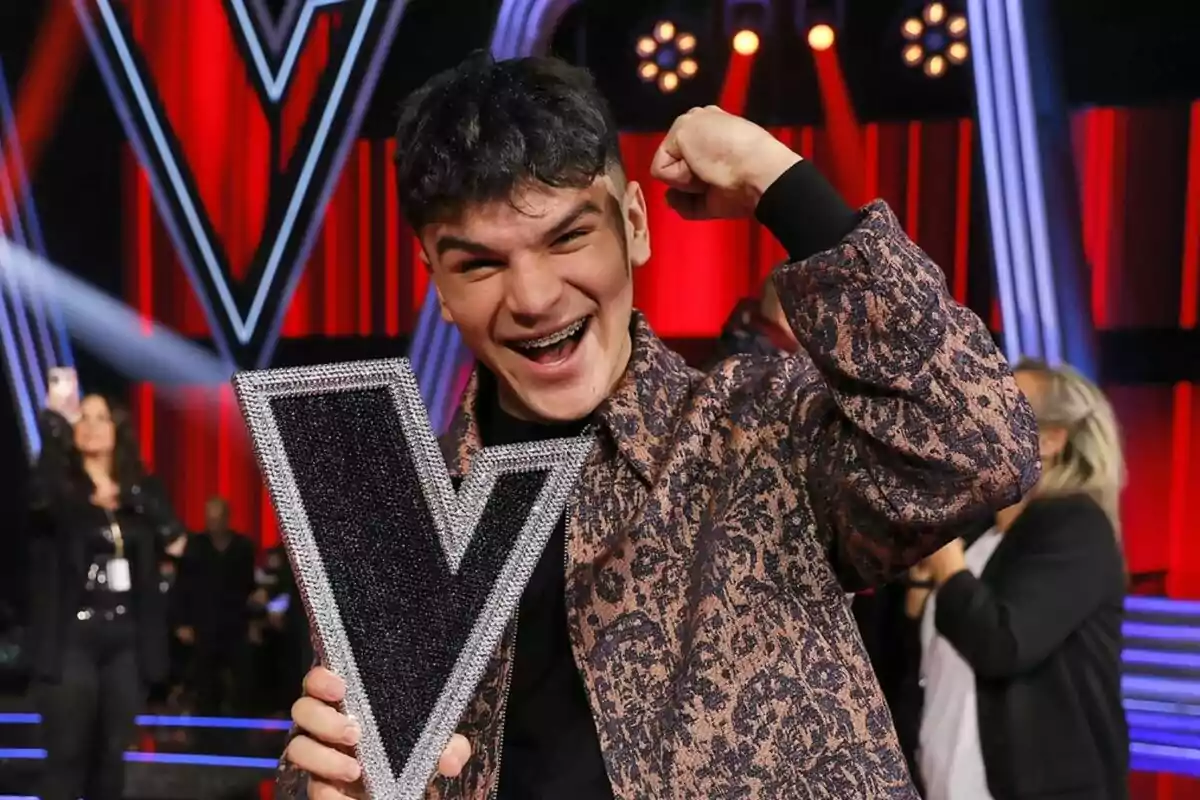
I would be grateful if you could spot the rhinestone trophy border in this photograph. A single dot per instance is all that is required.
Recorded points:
(455, 516)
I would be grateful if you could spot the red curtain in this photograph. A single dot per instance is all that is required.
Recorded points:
(699, 270)
(1140, 190)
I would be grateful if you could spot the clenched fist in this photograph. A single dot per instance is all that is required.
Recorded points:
(717, 165)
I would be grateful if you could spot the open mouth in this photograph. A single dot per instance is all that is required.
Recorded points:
(554, 347)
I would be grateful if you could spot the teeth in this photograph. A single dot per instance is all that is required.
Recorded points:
(554, 338)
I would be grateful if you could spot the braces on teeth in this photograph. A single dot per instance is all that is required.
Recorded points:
(555, 338)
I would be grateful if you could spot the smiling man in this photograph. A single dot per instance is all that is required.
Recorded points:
(686, 634)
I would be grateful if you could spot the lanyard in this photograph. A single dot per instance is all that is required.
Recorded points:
(114, 528)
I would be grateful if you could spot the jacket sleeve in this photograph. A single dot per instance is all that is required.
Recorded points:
(1059, 573)
(148, 499)
(915, 429)
(291, 782)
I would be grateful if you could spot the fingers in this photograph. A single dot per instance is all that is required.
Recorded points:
(321, 761)
(324, 722)
(454, 757)
(669, 167)
(323, 685)
(668, 164)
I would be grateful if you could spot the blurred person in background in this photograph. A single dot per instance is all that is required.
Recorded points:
(213, 592)
(284, 654)
(1022, 632)
(757, 327)
(98, 627)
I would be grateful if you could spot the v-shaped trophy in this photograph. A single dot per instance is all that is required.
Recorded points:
(408, 583)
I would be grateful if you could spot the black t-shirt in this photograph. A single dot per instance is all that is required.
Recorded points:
(551, 749)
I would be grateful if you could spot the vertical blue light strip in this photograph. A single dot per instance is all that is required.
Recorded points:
(26, 372)
(1035, 198)
(990, 147)
(1012, 181)
(1012, 135)
(19, 385)
(30, 358)
(23, 209)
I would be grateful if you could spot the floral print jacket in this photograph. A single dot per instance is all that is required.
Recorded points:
(723, 517)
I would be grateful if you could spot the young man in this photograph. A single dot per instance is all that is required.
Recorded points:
(687, 635)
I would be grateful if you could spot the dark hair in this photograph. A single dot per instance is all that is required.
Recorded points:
(478, 132)
(128, 469)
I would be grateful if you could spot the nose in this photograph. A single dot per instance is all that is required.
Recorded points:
(533, 291)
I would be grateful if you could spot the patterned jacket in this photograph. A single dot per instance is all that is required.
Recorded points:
(722, 517)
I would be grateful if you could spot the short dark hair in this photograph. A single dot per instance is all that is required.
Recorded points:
(478, 132)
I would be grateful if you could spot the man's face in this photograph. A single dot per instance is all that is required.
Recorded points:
(542, 292)
(216, 517)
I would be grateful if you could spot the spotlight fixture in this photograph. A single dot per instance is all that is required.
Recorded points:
(935, 40)
(821, 37)
(746, 22)
(819, 22)
(666, 56)
(745, 42)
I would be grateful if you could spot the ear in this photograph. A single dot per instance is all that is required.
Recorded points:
(424, 256)
(446, 315)
(1052, 441)
(637, 228)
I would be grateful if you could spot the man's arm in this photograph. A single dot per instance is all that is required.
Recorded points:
(916, 430)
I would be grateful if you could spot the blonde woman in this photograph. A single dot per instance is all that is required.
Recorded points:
(1021, 638)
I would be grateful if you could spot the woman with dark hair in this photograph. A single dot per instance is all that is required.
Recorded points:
(98, 627)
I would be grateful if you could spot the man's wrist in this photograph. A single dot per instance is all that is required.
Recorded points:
(768, 167)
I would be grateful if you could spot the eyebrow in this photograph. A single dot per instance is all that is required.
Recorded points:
(571, 218)
(447, 243)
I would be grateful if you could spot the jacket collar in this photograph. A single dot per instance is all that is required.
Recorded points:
(639, 417)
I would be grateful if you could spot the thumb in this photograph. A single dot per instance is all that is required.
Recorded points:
(454, 757)
(670, 167)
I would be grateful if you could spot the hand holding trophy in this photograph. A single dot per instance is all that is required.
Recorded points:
(409, 583)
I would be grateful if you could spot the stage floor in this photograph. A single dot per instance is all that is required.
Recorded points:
(173, 758)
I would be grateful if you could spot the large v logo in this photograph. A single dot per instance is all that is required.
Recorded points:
(409, 584)
(245, 316)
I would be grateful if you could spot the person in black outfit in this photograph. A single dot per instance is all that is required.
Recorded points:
(98, 628)
(214, 589)
(285, 652)
(1040, 626)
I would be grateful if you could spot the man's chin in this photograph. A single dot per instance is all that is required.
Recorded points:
(568, 404)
